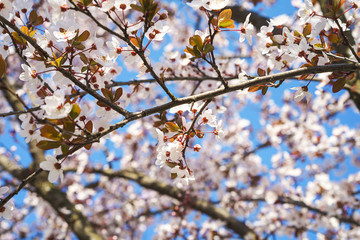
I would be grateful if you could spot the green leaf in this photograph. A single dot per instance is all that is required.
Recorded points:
(68, 126)
(137, 8)
(225, 14)
(307, 29)
(87, 2)
(75, 111)
(50, 132)
(189, 50)
(264, 90)
(172, 127)
(171, 164)
(47, 145)
(83, 58)
(227, 23)
(33, 16)
(208, 48)
(64, 148)
(198, 42)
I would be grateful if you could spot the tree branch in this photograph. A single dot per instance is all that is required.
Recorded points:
(162, 188)
(57, 199)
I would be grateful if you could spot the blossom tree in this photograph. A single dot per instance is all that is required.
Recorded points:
(134, 119)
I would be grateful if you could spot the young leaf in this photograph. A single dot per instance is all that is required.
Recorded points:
(255, 88)
(75, 111)
(208, 48)
(47, 145)
(135, 41)
(307, 29)
(172, 127)
(226, 23)
(50, 132)
(225, 14)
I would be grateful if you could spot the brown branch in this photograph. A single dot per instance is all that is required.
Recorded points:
(56, 198)
(287, 200)
(203, 206)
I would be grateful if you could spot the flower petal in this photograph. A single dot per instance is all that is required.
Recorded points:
(53, 176)
(299, 95)
(47, 165)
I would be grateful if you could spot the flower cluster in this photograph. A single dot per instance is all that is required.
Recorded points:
(171, 147)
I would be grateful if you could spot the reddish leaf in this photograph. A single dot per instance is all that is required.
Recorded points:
(261, 72)
(255, 88)
(89, 126)
(2, 66)
(302, 77)
(87, 147)
(108, 94)
(84, 36)
(118, 94)
(338, 85)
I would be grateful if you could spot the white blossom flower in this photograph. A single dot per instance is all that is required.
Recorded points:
(219, 132)
(157, 31)
(54, 106)
(3, 190)
(306, 12)
(6, 8)
(183, 175)
(209, 4)
(54, 167)
(7, 210)
(247, 30)
(28, 73)
(301, 92)
(208, 118)
(67, 34)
